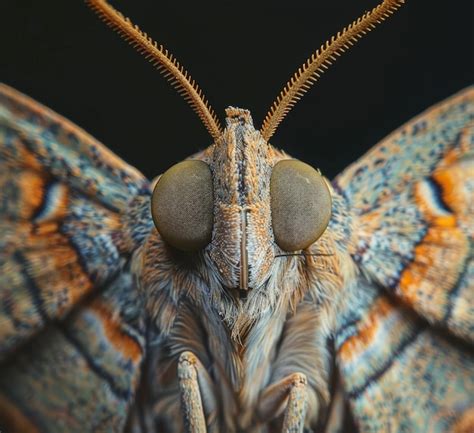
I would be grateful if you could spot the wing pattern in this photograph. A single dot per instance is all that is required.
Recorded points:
(409, 339)
(399, 373)
(65, 246)
(413, 200)
(85, 369)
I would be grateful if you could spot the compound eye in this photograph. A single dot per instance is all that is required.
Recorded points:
(300, 204)
(182, 205)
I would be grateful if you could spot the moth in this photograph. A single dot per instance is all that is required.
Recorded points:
(241, 290)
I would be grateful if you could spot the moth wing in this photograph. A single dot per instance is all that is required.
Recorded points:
(399, 373)
(404, 346)
(412, 198)
(80, 374)
(71, 215)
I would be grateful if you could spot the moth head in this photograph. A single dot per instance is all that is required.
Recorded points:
(241, 204)
(244, 201)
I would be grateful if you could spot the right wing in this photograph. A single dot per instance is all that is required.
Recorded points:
(405, 345)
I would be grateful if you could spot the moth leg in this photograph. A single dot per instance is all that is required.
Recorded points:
(197, 395)
(295, 412)
(292, 390)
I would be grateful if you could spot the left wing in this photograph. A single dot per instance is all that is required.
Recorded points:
(72, 337)
(405, 344)
(62, 231)
(78, 375)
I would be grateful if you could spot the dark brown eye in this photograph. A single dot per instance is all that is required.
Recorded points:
(182, 205)
(300, 204)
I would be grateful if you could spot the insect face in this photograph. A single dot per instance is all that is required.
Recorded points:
(237, 208)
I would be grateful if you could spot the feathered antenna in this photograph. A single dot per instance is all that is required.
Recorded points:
(311, 70)
(162, 60)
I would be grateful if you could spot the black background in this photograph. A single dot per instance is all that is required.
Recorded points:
(241, 54)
